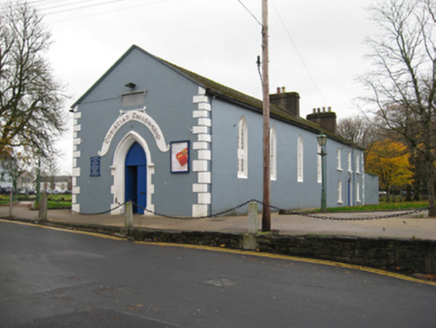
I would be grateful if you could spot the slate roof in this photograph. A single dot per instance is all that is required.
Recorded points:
(230, 95)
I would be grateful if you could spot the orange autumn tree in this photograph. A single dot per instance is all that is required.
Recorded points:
(389, 160)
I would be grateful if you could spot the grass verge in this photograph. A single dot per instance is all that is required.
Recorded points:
(397, 206)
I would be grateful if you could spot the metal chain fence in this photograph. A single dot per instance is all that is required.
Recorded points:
(198, 217)
(375, 217)
(97, 213)
(275, 208)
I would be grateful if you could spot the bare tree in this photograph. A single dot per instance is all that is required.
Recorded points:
(403, 78)
(50, 170)
(30, 97)
(359, 130)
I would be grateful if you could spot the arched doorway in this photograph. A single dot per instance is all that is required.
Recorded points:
(136, 178)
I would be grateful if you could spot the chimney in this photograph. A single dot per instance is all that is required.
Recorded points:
(289, 101)
(326, 119)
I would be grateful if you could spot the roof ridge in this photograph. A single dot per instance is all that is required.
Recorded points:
(228, 94)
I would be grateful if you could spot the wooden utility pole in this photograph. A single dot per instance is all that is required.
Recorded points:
(266, 213)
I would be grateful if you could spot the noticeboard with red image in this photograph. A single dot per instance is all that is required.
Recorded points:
(180, 157)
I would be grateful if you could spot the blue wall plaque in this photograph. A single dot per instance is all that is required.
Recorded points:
(95, 166)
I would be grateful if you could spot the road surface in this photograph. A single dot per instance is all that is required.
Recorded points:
(55, 278)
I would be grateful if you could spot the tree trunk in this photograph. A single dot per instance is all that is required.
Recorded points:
(430, 187)
(408, 193)
(416, 187)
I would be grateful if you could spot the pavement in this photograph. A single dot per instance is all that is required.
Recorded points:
(407, 226)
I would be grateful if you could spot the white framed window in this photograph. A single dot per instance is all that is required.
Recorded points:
(242, 148)
(340, 200)
(300, 159)
(273, 152)
(358, 164)
(338, 156)
(358, 191)
(349, 162)
(319, 165)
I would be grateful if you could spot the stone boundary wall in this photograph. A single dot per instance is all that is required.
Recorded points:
(399, 255)
(214, 239)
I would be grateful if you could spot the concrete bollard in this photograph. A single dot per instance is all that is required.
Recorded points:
(42, 214)
(129, 216)
(253, 224)
(249, 241)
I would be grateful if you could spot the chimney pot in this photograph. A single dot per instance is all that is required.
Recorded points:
(289, 102)
(327, 120)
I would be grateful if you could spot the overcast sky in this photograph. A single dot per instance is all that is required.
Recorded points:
(316, 46)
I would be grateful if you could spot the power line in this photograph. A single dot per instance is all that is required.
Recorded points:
(59, 4)
(111, 11)
(252, 15)
(50, 7)
(298, 53)
(76, 8)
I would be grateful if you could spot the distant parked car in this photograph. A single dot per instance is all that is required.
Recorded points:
(382, 192)
(5, 190)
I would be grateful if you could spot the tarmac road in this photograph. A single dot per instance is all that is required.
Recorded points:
(53, 278)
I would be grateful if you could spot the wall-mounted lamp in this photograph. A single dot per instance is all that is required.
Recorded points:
(130, 85)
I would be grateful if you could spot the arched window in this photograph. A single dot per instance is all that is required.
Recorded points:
(340, 201)
(358, 164)
(358, 191)
(242, 149)
(273, 153)
(300, 157)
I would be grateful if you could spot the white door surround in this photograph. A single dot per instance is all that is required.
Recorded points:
(118, 172)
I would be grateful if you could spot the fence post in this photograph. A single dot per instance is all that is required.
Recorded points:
(253, 225)
(42, 214)
(10, 203)
(128, 224)
(250, 242)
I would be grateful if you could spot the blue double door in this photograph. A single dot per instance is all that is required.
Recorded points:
(136, 178)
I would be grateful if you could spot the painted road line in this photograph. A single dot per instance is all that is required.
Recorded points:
(297, 259)
(95, 234)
